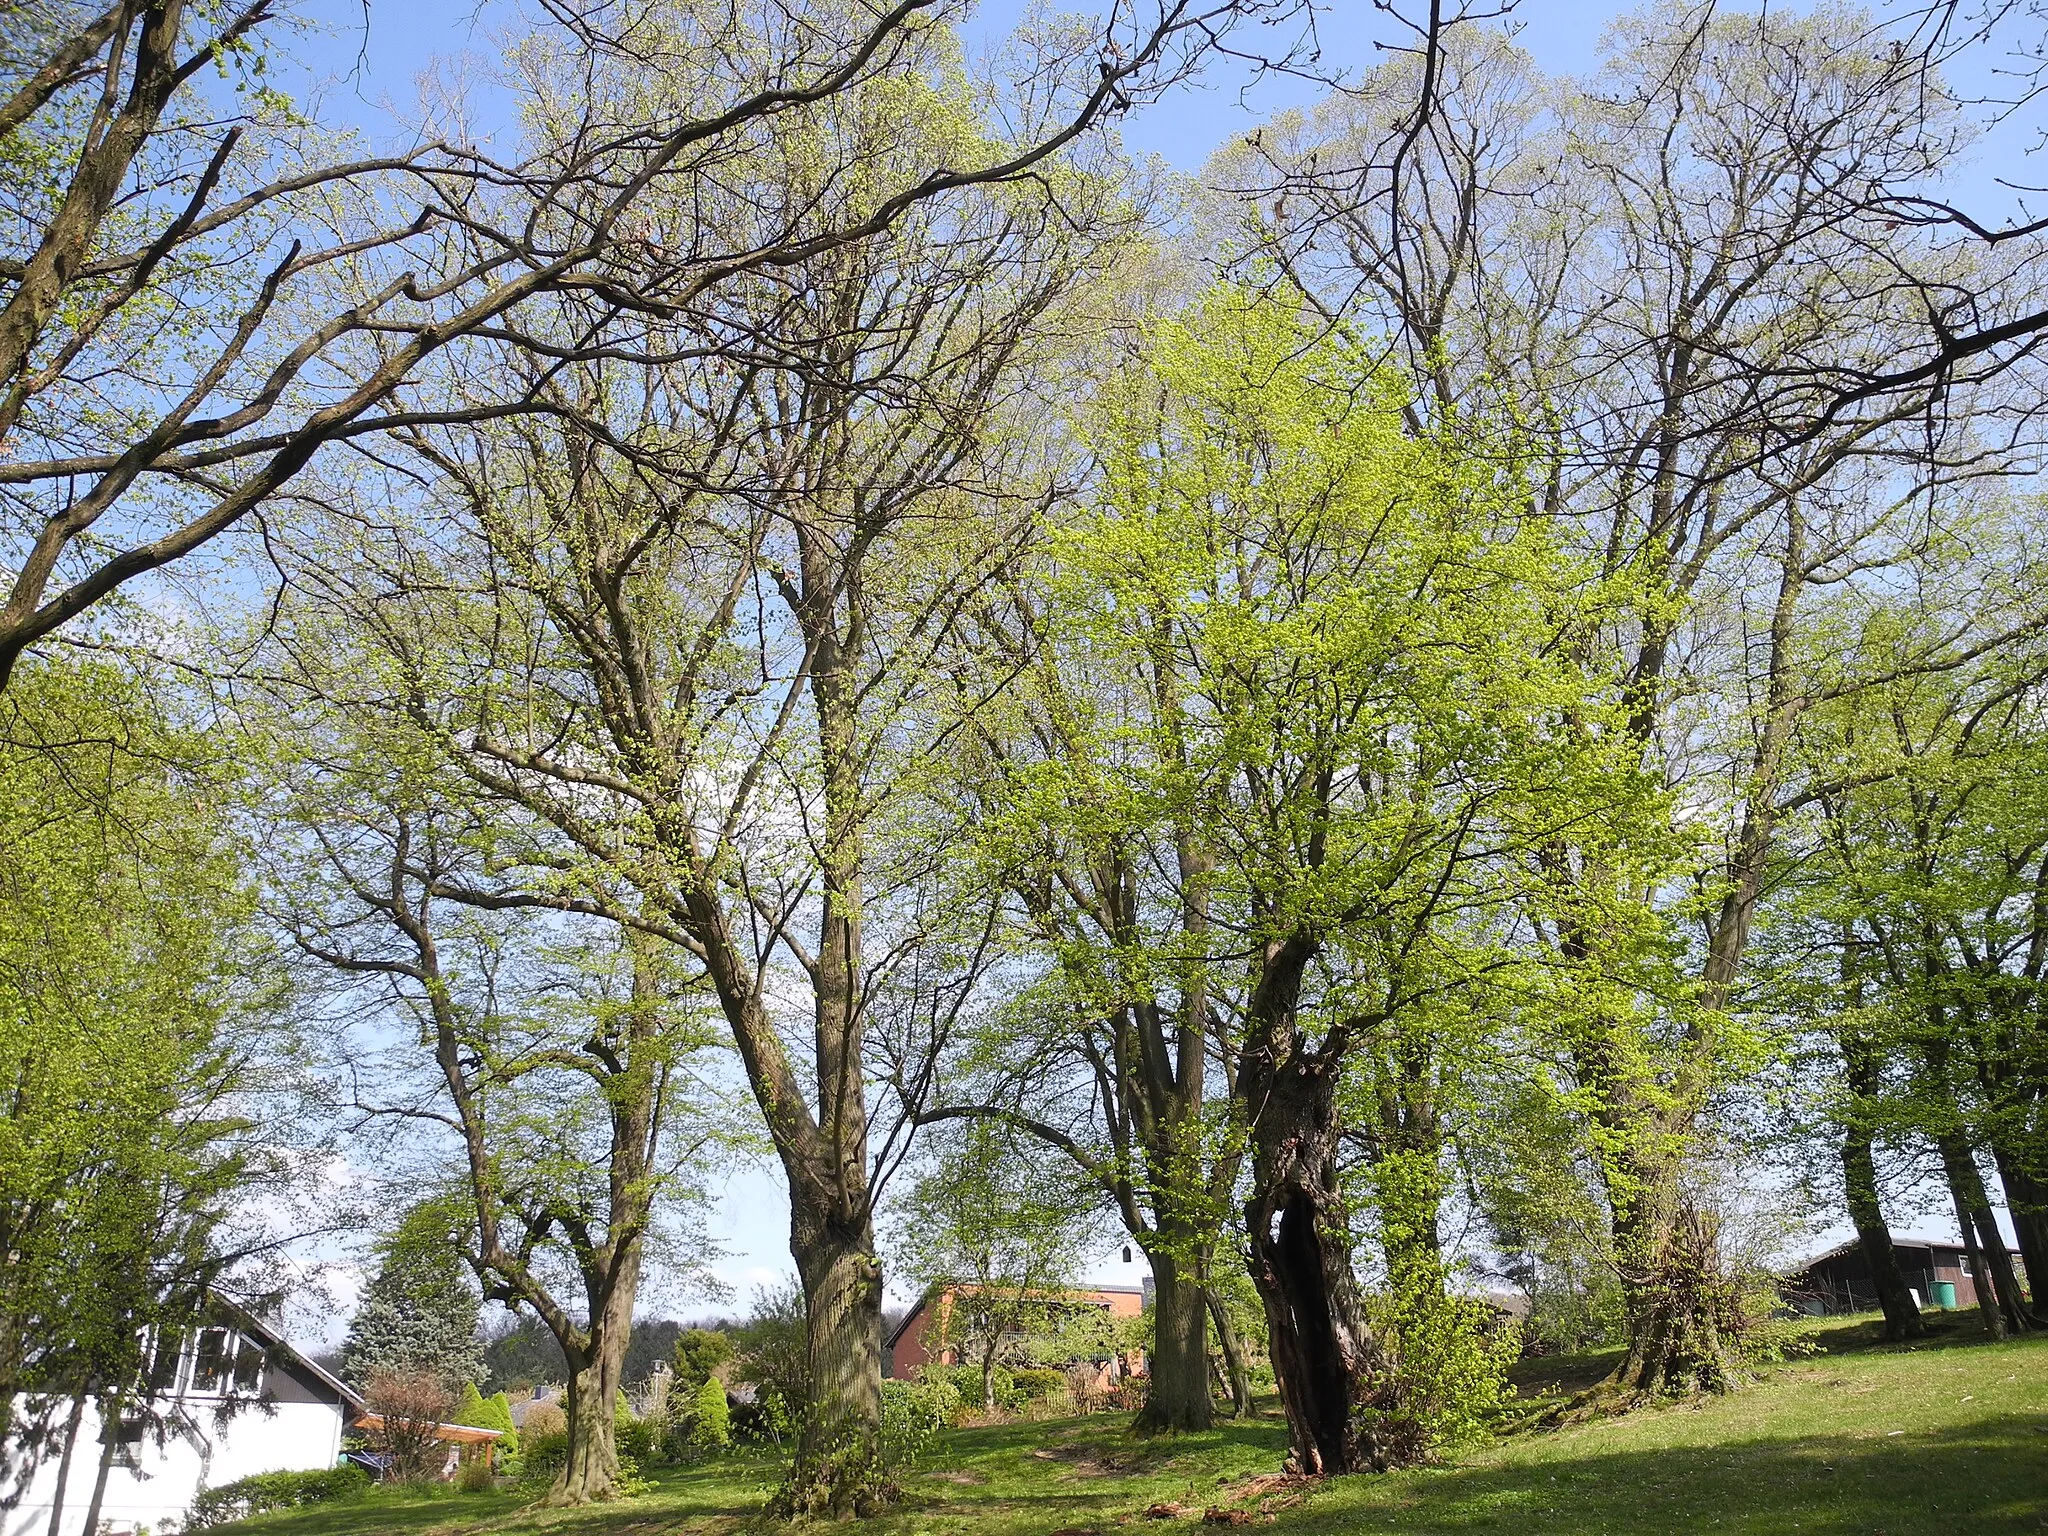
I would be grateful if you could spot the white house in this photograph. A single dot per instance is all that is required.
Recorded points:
(285, 1414)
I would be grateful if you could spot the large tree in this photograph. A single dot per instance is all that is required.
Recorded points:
(678, 630)
(198, 293)
(1654, 320)
(136, 1013)
(1261, 798)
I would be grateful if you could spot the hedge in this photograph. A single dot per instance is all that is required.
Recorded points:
(266, 1491)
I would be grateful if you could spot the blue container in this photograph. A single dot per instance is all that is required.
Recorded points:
(1945, 1295)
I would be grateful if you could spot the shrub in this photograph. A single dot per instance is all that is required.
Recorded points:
(493, 1412)
(710, 1419)
(412, 1407)
(631, 1434)
(275, 1490)
(699, 1352)
(1450, 1360)
(1032, 1383)
(475, 1475)
(543, 1442)
(913, 1412)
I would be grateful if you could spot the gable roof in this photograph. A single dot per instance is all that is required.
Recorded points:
(279, 1346)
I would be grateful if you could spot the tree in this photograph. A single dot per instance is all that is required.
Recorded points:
(710, 1418)
(698, 1355)
(1918, 932)
(197, 297)
(1291, 676)
(138, 1013)
(564, 1059)
(1715, 161)
(734, 574)
(991, 1234)
(418, 1315)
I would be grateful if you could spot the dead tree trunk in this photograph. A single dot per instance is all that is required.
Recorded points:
(1326, 1361)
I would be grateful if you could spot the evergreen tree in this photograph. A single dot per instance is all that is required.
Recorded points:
(419, 1314)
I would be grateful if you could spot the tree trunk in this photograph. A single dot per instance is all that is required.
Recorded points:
(64, 1463)
(110, 1430)
(2026, 1198)
(838, 1468)
(1177, 1397)
(1902, 1318)
(1674, 1295)
(1328, 1364)
(988, 1378)
(1953, 1156)
(1236, 1368)
(592, 1467)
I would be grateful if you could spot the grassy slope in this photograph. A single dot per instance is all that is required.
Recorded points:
(1937, 1440)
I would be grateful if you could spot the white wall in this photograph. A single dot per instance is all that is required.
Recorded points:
(290, 1437)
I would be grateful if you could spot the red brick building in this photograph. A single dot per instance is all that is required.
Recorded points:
(917, 1340)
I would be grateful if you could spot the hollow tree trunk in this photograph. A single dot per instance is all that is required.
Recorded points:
(837, 1470)
(1237, 1370)
(1327, 1363)
(1178, 1395)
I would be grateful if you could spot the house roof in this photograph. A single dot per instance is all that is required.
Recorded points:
(277, 1344)
(454, 1434)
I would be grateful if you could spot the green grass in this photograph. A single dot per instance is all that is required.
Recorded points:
(1947, 1439)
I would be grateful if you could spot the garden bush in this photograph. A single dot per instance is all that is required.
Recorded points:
(1033, 1383)
(266, 1491)
(913, 1412)
(710, 1419)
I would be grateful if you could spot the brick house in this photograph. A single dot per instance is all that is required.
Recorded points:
(919, 1339)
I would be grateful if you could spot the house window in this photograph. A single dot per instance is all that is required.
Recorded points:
(128, 1433)
(213, 1360)
(165, 1361)
(248, 1365)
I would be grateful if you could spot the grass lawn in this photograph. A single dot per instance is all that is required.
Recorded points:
(1945, 1439)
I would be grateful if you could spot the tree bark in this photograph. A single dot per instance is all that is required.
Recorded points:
(837, 1470)
(110, 1411)
(1953, 1156)
(1237, 1369)
(1325, 1358)
(2026, 1199)
(1902, 1318)
(64, 1462)
(1178, 1398)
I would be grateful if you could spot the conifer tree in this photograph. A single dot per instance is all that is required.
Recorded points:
(419, 1315)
